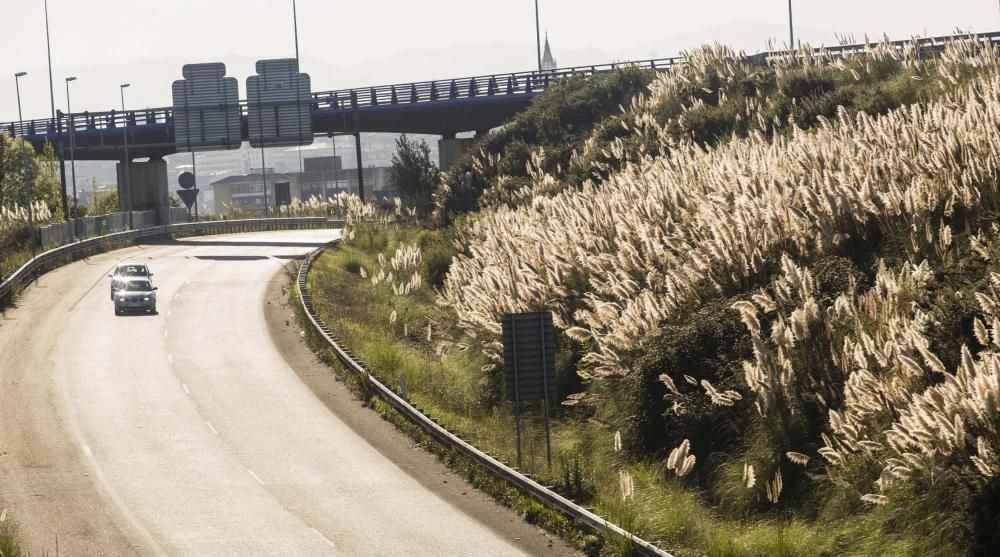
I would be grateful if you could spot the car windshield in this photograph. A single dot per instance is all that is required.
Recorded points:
(133, 271)
(138, 285)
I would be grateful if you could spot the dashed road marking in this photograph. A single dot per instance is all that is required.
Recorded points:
(169, 312)
(256, 477)
(170, 359)
(87, 451)
(215, 431)
(165, 333)
(185, 387)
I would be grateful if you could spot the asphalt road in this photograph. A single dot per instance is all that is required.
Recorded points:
(186, 432)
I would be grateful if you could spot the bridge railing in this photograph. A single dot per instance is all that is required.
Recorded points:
(443, 90)
(516, 83)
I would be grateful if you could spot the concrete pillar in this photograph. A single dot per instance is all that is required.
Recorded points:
(450, 149)
(149, 188)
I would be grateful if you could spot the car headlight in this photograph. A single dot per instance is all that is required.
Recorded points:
(146, 299)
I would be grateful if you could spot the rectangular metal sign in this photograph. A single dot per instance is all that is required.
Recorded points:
(206, 109)
(529, 354)
(279, 101)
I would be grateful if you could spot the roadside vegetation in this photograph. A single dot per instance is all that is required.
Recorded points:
(777, 287)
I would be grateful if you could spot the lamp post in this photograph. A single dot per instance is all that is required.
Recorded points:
(538, 37)
(791, 29)
(128, 182)
(72, 150)
(295, 25)
(24, 162)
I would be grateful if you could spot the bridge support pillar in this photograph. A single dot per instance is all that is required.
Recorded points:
(149, 189)
(450, 149)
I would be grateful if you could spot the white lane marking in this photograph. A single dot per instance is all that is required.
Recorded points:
(169, 312)
(215, 431)
(176, 295)
(324, 538)
(165, 333)
(170, 358)
(256, 477)
(186, 389)
(87, 451)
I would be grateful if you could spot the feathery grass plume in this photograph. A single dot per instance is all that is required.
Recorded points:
(773, 488)
(797, 458)
(875, 499)
(618, 441)
(626, 486)
(652, 233)
(680, 461)
(749, 478)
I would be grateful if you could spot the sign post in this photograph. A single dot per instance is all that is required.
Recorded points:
(189, 193)
(529, 366)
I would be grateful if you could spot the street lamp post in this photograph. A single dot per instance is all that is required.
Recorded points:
(295, 25)
(72, 151)
(24, 162)
(791, 29)
(128, 182)
(538, 37)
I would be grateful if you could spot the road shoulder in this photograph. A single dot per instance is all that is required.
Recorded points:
(390, 442)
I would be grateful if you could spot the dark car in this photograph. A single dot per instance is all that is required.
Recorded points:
(136, 294)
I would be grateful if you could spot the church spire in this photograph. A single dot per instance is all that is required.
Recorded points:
(548, 62)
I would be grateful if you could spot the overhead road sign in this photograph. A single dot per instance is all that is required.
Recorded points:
(279, 102)
(206, 109)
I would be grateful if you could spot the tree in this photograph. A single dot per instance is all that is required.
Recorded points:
(43, 175)
(414, 174)
(102, 203)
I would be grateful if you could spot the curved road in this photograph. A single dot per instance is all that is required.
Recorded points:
(186, 432)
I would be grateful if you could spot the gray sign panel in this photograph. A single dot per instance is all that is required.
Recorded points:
(279, 99)
(529, 355)
(206, 109)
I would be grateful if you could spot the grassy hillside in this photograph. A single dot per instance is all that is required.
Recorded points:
(776, 287)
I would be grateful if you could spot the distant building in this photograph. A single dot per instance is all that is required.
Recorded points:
(548, 62)
(323, 177)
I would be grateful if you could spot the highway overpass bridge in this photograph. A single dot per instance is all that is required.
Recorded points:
(440, 107)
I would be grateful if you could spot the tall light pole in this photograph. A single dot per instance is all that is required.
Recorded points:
(52, 103)
(538, 36)
(295, 25)
(72, 150)
(128, 181)
(791, 29)
(24, 162)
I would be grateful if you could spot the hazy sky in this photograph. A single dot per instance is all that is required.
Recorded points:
(106, 42)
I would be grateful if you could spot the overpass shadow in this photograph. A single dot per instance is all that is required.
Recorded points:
(207, 241)
(231, 257)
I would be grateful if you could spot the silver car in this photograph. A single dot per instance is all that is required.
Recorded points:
(135, 294)
(125, 271)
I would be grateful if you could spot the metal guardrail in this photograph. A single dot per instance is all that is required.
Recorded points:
(23, 273)
(536, 490)
(482, 86)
